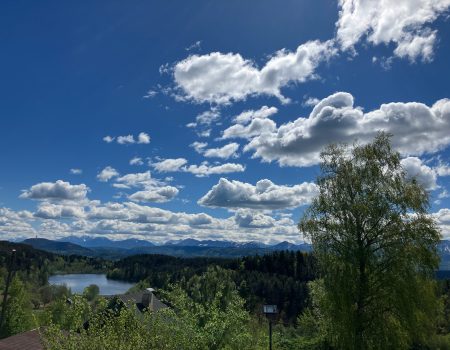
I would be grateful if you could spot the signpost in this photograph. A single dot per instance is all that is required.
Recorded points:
(270, 311)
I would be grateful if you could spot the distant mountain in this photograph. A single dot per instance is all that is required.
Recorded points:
(305, 247)
(444, 252)
(65, 248)
(190, 242)
(103, 242)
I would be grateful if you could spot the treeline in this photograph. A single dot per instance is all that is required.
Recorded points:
(278, 278)
(29, 291)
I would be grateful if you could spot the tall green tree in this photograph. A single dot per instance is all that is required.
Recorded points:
(376, 247)
(18, 316)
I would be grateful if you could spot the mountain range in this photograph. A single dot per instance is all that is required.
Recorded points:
(106, 248)
(109, 249)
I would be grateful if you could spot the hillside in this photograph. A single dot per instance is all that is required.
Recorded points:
(64, 248)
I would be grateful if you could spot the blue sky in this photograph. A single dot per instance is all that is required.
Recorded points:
(223, 105)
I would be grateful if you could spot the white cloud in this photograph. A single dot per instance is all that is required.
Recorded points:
(159, 195)
(443, 170)
(56, 211)
(249, 218)
(75, 171)
(199, 146)
(194, 46)
(15, 225)
(136, 161)
(202, 170)
(443, 220)
(143, 138)
(208, 117)
(150, 94)
(256, 127)
(423, 173)
(417, 129)
(126, 220)
(107, 174)
(224, 152)
(169, 165)
(247, 116)
(404, 23)
(224, 78)
(311, 101)
(206, 169)
(127, 139)
(264, 195)
(444, 194)
(137, 180)
(58, 190)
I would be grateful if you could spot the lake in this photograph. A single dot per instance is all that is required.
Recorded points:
(77, 283)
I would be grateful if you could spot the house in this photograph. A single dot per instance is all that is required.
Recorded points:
(24, 341)
(144, 300)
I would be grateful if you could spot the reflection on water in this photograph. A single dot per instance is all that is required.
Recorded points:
(77, 283)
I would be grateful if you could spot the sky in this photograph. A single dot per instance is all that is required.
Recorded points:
(166, 120)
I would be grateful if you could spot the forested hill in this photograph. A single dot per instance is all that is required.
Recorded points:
(26, 257)
(277, 278)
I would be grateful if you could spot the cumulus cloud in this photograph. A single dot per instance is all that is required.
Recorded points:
(142, 138)
(108, 139)
(256, 127)
(136, 180)
(153, 190)
(421, 172)
(202, 170)
(221, 78)
(252, 219)
(159, 195)
(417, 129)
(223, 152)
(127, 139)
(136, 161)
(59, 190)
(75, 171)
(251, 123)
(443, 170)
(208, 117)
(404, 23)
(15, 224)
(169, 165)
(247, 116)
(107, 174)
(205, 169)
(442, 218)
(264, 195)
(56, 211)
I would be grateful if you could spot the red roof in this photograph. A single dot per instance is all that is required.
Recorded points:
(24, 341)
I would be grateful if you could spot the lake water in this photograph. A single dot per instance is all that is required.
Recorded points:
(77, 283)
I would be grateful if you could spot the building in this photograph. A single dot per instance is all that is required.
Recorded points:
(144, 300)
(24, 341)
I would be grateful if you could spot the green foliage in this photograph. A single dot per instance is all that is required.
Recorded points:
(211, 306)
(18, 316)
(376, 247)
(91, 292)
(278, 278)
(206, 313)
